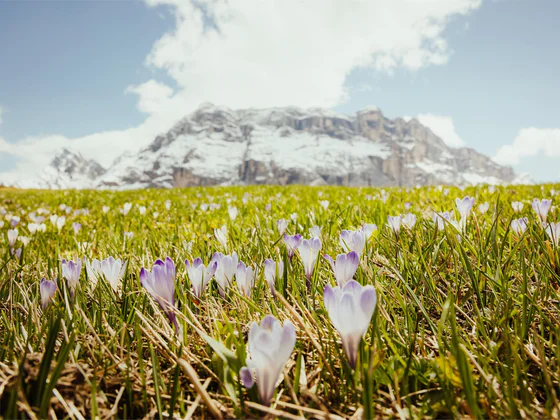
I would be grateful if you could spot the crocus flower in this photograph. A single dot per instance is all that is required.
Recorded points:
(128, 235)
(324, 204)
(12, 237)
(394, 223)
(24, 240)
(484, 207)
(36, 227)
(541, 208)
(441, 218)
(47, 289)
(270, 346)
(344, 267)
(233, 213)
(517, 206)
(225, 270)
(271, 268)
(221, 236)
(167, 204)
(464, 207)
(353, 240)
(409, 220)
(105, 209)
(368, 229)
(14, 221)
(315, 231)
(407, 206)
(309, 251)
(519, 226)
(292, 243)
(76, 226)
(245, 277)
(282, 225)
(350, 309)
(553, 230)
(160, 283)
(126, 208)
(71, 271)
(113, 270)
(200, 275)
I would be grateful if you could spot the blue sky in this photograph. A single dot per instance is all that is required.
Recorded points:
(80, 68)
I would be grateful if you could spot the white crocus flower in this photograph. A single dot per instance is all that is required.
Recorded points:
(269, 346)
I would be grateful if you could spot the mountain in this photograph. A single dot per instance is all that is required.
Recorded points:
(220, 146)
(67, 170)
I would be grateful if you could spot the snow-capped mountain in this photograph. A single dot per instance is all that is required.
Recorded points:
(68, 170)
(219, 146)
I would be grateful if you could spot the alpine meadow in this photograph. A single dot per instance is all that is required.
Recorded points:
(280, 302)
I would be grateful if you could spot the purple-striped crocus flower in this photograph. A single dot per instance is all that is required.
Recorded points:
(350, 309)
(292, 243)
(519, 226)
(353, 240)
(71, 271)
(309, 251)
(270, 346)
(271, 271)
(541, 208)
(200, 275)
(344, 267)
(225, 270)
(47, 289)
(77, 227)
(245, 278)
(160, 283)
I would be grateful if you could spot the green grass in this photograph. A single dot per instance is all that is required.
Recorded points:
(466, 325)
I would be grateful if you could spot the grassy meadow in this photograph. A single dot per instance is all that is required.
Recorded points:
(465, 321)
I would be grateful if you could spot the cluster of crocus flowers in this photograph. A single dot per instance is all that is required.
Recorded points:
(47, 289)
(269, 346)
(111, 269)
(200, 275)
(350, 309)
(71, 271)
(344, 267)
(160, 283)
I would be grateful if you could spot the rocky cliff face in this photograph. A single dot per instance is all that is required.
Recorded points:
(219, 146)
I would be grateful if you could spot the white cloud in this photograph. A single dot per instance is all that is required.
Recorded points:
(442, 127)
(262, 53)
(530, 142)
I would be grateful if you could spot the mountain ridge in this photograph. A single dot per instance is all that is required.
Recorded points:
(220, 146)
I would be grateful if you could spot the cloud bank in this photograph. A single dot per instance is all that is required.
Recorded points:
(264, 53)
(442, 127)
(530, 142)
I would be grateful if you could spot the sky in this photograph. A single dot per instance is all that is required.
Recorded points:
(103, 77)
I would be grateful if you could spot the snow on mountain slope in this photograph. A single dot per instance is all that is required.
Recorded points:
(219, 146)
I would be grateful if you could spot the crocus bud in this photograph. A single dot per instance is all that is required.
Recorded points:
(47, 289)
